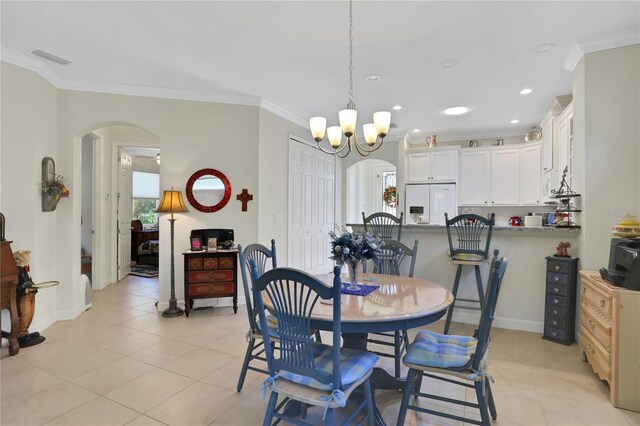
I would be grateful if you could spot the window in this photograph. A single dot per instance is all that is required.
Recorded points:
(146, 196)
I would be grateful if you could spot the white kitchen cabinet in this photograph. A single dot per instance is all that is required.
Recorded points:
(505, 177)
(563, 140)
(432, 166)
(530, 188)
(474, 177)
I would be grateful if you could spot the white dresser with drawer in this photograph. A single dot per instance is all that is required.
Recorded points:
(610, 337)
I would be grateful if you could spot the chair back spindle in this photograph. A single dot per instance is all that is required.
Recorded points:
(384, 225)
(393, 255)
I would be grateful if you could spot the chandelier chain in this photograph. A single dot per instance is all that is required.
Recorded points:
(350, 50)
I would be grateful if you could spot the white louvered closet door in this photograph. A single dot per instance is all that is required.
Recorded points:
(311, 207)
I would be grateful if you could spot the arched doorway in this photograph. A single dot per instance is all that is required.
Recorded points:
(105, 235)
(366, 182)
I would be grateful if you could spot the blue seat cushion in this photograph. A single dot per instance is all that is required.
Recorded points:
(272, 325)
(431, 349)
(354, 364)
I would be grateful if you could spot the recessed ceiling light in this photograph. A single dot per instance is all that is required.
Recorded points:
(514, 121)
(543, 48)
(416, 130)
(525, 91)
(449, 64)
(456, 110)
(397, 107)
(372, 77)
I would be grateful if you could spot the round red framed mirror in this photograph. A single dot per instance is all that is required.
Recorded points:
(208, 190)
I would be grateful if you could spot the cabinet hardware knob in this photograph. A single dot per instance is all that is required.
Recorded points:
(556, 278)
(602, 302)
(554, 334)
(591, 325)
(591, 348)
(555, 312)
(556, 289)
(557, 267)
(555, 301)
(555, 322)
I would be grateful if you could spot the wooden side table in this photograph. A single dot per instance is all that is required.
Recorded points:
(210, 274)
(8, 289)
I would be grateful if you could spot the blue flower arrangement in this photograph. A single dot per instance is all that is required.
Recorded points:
(351, 247)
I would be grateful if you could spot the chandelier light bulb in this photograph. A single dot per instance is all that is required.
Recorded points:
(334, 133)
(348, 118)
(317, 126)
(382, 121)
(370, 133)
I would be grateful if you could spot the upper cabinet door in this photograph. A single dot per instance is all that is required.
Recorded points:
(505, 177)
(444, 166)
(474, 178)
(433, 166)
(419, 167)
(530, 190)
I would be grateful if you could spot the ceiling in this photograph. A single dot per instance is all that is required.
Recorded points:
(292, 56)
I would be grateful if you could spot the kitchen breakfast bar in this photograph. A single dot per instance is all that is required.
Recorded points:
(523, 290)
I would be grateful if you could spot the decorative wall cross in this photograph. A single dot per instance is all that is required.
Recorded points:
(244, 197)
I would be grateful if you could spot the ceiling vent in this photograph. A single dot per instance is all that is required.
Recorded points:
(50, 57)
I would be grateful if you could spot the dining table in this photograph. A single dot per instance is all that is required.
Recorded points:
(398, 303)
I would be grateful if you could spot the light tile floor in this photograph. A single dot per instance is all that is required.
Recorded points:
(122, 363)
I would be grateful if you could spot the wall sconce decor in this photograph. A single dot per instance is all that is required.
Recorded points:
(52, 187)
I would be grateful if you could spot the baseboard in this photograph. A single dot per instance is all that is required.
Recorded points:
(43, 324)
(501, 322)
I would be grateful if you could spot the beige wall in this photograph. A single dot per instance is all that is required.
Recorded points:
(607, 140)
(28, 134)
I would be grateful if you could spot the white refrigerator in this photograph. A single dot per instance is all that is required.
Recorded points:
(427, 203)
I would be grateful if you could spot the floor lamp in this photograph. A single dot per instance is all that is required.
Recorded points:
(172, 203)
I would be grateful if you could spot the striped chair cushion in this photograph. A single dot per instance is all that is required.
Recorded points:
(467, 257)
(272, 325)
(431, 349)
(354, 365)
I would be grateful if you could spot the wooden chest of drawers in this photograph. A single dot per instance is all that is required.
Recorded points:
(610, 337)
(210, 274)
(560, 299)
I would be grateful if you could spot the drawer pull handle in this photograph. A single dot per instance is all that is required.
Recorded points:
(556, 278)
(555, 312)
(555, 322)
(557, 267)
(591, 348)
(602, 302)
(556, 289)
(555, 301)
(591, 325)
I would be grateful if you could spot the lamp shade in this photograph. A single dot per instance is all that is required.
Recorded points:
(172, 202)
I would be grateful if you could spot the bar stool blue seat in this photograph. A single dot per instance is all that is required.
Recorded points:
(470, 250)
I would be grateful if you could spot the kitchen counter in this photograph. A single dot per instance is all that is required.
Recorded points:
(522, 297)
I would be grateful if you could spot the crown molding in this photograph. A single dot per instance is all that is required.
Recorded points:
(265, 104)
(601, 42)
(49, 74)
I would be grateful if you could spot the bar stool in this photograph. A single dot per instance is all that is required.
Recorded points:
(470, 251)
(383, 224)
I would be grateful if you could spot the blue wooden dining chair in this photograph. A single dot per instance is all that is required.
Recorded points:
(391, 260)
(463, 357)
(384, 225)
(471, 249)
(309, 372)
(264, 259)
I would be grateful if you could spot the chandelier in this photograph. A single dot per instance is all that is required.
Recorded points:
(348, 118)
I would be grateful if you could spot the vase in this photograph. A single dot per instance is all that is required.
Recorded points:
(354, 268)
(49, 202)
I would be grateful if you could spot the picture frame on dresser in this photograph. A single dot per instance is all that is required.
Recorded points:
(196, 243)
